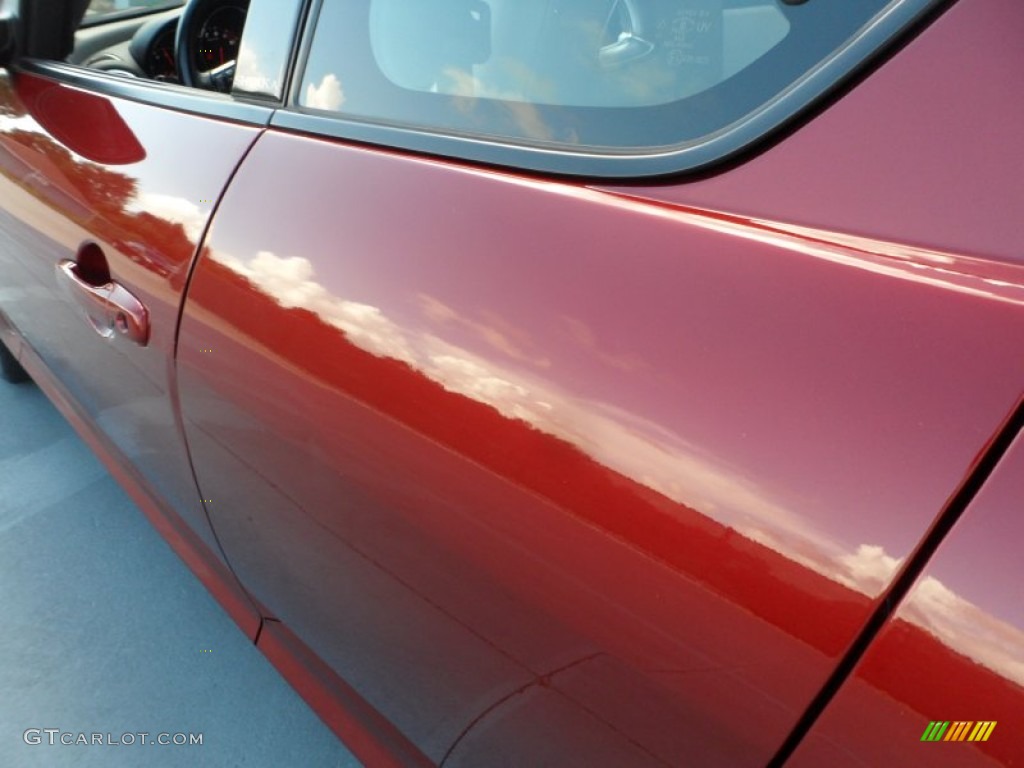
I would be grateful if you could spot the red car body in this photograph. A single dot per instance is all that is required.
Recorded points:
(501, 468)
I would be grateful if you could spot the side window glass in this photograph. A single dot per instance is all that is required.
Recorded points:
(224, 45)
(266, 45)
(589, 54)
(615, 76)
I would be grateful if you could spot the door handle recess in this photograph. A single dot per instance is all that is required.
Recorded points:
(110, 308)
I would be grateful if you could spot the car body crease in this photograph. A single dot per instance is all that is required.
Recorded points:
(543, 680)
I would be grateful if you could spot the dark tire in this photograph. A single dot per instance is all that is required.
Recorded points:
(10, 368)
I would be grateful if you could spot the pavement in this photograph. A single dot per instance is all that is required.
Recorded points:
(107, 635)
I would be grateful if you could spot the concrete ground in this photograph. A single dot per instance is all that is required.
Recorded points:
(107, 632)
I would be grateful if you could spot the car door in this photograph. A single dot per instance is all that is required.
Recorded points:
(108, 185)
(530, 468)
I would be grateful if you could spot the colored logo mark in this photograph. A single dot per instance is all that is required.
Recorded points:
(959, 730)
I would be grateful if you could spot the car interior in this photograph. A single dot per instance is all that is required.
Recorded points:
(148, 45)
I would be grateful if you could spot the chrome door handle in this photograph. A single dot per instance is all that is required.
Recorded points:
(110, 308)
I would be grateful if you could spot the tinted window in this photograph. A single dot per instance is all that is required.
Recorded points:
(584, 54)
(618, 76)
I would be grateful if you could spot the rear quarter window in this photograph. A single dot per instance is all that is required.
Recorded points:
(649, 86)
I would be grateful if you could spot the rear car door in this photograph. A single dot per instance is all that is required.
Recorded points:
(538, 454)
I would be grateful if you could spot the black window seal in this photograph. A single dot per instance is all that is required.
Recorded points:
(167, 95)
(844, 65)
(297, 55)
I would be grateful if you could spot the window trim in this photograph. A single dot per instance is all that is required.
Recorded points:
(877, 39)
(168, 95)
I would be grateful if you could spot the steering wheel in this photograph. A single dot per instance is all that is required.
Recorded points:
(206, 42)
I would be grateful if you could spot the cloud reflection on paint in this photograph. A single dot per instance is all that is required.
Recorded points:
(634, 447)
(171, 208)
(290, 282)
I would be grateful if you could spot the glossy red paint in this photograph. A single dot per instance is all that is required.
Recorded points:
(85, 175)
(923, 152)
(619, 484)
(372, 739)
(569, 475)
(954, 650)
